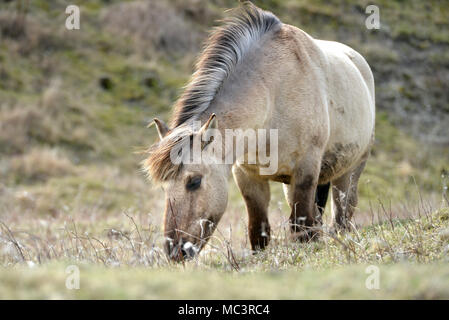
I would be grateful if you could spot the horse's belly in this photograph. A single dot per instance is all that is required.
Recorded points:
(351, 113)
(349, 140)
(348, 143)
(339, 159)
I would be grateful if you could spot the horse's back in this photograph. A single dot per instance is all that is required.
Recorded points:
(347, 56)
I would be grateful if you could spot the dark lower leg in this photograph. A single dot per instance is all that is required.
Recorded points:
(258, 225)
(305, 216)
(322, 192)
(256, 193)
(344, 194)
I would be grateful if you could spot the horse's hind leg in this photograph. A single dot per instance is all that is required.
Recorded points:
(256, 193)
(345, 198)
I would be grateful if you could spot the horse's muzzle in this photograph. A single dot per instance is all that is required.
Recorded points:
(183, 250)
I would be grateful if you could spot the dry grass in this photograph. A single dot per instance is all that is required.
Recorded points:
(24, 34)
(55, 119)
(133, 238)
(39, 165)
(16, 126)
(153, 25)
(126, 247)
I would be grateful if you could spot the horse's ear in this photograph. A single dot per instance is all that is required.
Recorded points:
(161, 127)
(211, 123)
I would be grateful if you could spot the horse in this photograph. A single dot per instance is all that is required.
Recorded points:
(256, 72)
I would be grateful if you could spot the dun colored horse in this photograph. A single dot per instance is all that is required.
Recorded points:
(259, 73)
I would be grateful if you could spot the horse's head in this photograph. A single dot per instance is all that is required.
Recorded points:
(195, 191)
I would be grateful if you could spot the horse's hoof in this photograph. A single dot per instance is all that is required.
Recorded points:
(259, 246)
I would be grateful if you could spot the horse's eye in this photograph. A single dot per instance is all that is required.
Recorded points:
(193, 183)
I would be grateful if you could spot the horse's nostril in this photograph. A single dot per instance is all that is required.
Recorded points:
(181, 251)
(188, 250)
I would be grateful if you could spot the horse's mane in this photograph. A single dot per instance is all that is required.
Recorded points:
(224, 50)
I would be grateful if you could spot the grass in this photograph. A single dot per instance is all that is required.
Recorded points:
(73, 112)
(398, 281)
(123, 261)
(131, 238)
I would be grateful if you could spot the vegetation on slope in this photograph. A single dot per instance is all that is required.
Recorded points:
(76, 102)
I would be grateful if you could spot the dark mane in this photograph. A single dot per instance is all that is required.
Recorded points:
(224, 49)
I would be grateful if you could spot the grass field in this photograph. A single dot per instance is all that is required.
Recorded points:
(124, 261)
(399, 281)
(74, 106)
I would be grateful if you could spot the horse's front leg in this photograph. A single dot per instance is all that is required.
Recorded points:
(256, 193)
(305, 217)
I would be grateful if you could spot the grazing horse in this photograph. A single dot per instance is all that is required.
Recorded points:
(259, 73)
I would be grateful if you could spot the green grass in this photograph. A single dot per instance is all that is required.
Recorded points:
(399, 281)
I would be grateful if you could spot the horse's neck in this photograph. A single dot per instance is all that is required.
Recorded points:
(242, 100)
